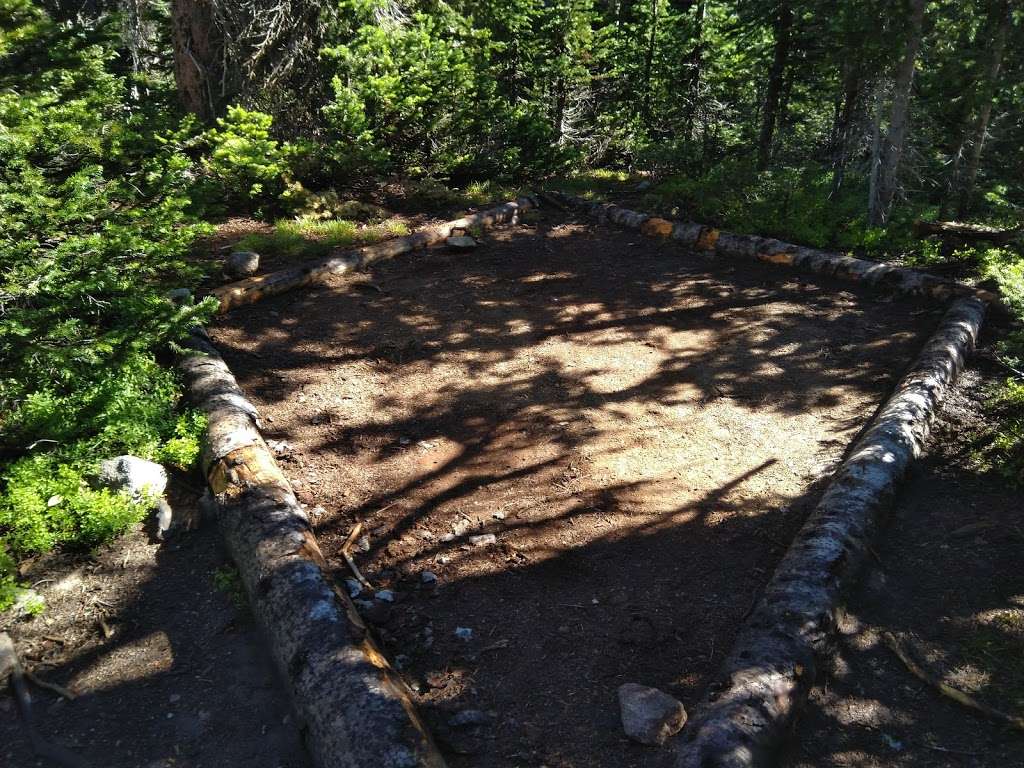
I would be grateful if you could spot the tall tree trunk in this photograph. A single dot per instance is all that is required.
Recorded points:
(649, 63)
(197, 56)
(783, 32)
(894, 142)
(987, 89)
(844, 120)
(696, 66)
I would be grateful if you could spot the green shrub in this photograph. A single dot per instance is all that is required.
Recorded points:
(94, 229)
(245, 165)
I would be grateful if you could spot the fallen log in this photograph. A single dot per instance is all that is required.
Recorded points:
(708, 239)
(253, 289)
(971, 233)
(355, 712)
(766, 678)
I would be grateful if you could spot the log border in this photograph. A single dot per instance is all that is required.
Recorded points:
(707, 239)
(253, 289)
(354, 711)
(767, 676)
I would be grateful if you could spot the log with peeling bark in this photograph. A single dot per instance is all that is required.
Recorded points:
(253, 289)
(354, 710)
(972, 233)
(708, 239)
(767, 676)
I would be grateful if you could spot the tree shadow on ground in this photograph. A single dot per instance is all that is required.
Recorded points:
(641, 429)
(946, 580)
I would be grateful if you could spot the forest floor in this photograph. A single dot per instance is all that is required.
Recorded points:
(947, 578)
(640, 429)
(167, 664)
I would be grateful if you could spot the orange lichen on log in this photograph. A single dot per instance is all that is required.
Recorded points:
(657, 228)
(779, 257)
(707, 240)
(248, 467)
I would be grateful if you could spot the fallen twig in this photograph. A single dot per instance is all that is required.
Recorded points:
(947, 690)
(353, 535)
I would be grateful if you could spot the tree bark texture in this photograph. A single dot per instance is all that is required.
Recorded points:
(355, 711)
(254, 289)
(197, 56)
(895, 139)
(711, 240)
(767, 676)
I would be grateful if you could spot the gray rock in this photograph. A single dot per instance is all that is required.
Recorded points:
(461, 243)
(385, 595)
(179, 296)
(464, 633)
(353, 587)
(137, 476)
(483, 539)
(242, 264)
(428, 578)
(649, 716)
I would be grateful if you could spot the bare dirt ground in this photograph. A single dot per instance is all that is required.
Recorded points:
(641, 430)
(168, 667)
(948, 580)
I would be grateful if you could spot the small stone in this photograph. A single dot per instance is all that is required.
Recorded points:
(464, 633)
(498, 515)
(242, 264)
(649, 716)
(483, 539)
(363, 544)
(130, 473)
(461, 243)
(166, 525)
(353, 587)
(428, 578)
(385, 595)
(459, 527)
(179, 296)
(448, 537)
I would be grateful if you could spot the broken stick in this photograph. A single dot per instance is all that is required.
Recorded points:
(960, 697)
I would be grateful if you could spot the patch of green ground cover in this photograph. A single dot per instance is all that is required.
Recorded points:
(313, 238)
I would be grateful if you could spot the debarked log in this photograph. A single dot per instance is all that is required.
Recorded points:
(708, 239)
(972, 233)
(767, 676)
(354, 710)
(254, 289)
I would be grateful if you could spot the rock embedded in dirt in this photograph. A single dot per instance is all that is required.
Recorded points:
(353, 587)
(428, 578)
(483, 539)
(461, 243)
(385, 595)
(649, 716)
(242, 264)
(179, 296)
(464, 633)
(137, 476)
